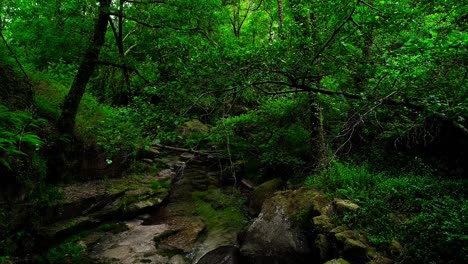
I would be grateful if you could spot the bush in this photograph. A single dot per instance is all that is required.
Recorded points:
(68, 252)
(274, 134)
(18, 140)
(425, 213)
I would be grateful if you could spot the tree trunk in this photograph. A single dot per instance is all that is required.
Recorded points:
(66, 122)
(317, 137)
(280, 16)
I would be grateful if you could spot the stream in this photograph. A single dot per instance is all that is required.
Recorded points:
(173, 233)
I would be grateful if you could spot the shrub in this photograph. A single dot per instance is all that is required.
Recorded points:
(274, 135)
(425, 213)
(17, 139)
(68, 252)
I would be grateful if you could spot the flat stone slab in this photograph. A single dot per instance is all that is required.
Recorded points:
(136, 245)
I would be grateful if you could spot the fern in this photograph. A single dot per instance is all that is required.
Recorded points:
(16, 135)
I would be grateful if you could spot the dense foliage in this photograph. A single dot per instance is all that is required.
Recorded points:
(289, 89)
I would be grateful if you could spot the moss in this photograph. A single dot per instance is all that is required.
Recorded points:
(220, 210)
(298, 204)
(337, 261)
(263, 192)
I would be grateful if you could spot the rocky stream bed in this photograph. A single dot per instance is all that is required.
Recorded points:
(140, 219)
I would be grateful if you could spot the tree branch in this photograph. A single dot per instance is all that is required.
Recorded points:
(335, 32)
(304, 88)
(121, 66)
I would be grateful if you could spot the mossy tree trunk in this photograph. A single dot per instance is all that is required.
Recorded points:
(66, 121)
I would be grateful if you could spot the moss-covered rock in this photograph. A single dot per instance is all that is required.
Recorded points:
(354, 245)
(343, 206)
(192, 126)
(278, 233)
(322, 247)
(322, 223)
(337, 261)
(263, 192)
(66, 227)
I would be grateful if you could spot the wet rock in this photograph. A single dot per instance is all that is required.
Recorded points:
(343, 206)
(261, 193)
(221, 255)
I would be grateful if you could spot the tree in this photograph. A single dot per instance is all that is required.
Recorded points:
(66, 122)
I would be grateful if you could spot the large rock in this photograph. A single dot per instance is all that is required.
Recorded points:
(337, 261)
(261, 193)
(191, 127)
(221, 255)
(132, 246)
(277, 234)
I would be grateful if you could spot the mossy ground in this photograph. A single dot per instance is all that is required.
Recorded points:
(221, 210)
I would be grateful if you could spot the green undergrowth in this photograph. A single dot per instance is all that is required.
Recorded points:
(73, 250)
(111, 128)
(220, 210)
(426, 214)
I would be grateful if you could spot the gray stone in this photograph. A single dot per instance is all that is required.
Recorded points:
(177, 259)
(261, 193)
(277, 234)
(221, 255)
(187, 156)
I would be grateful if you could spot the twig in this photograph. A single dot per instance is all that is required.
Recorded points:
(203, 153)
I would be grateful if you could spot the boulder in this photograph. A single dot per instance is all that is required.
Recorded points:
(337, 261)
(134, 245)
(221, 255)
(277, 234)
(261, 193)
(177, 259)
(191, 127)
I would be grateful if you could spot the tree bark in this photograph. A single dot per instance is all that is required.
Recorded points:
(280, 16)
(66, 122)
